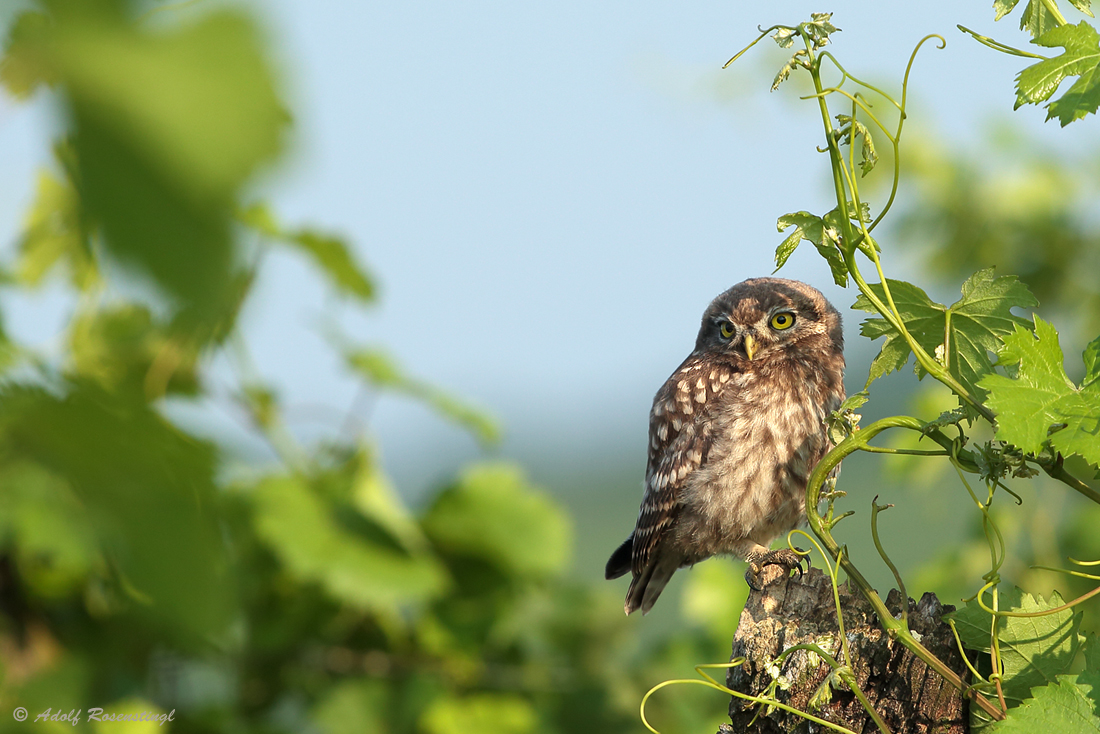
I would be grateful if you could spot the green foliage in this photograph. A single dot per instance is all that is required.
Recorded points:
(148, 567)
(822, 232)
(1038, 83)
(1081, 53)
(1010, 201)
(491, 713)
(492, 515)
(1033, 650)
(166, 126)
(1040, 404)
(1041, 418)
(54, 233)
(340, 547)
(851, 127)
(958, 336)
(1067, 707)
(142, 564)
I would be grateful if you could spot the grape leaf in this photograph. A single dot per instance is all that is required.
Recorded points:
(978, 322)
(1092, 361)
(167, 126)
(1003, 7)
(819, 27)
(1092, 652)
(798, 59)
(1066, 707)
(1037, 19)
(1034, 650)
(1085, 6)
(822, 233)
(23, 68)
(1038, 82)
(850, 128)
(1041, 403)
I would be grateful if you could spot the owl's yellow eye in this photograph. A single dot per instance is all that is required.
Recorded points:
(782, 320)
(726, 329)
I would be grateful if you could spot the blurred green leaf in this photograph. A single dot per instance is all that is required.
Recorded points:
(9, 351)
(53, 234)
(148, 491)
(53, 680)
(198, 100)
(148, 723)
(710, 592)
(380, 369)
(482, 713)
(55, 541)
(375, 497)
(118, 347)
(23, 68)
(353, 707)
(168, 124)
(493, 514)
(1040, 403)
(317, 545)
(331, 254)
(1012, 203)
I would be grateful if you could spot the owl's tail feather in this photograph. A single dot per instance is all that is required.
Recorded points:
(645, 589)
(619, 563)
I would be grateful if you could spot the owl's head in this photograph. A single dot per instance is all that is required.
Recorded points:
(762, 320)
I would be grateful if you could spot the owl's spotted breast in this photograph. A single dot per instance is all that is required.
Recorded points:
(735, 432)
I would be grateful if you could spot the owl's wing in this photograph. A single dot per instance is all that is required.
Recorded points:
(680, 438)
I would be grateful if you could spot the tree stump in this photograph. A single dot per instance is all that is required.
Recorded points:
(910, 697)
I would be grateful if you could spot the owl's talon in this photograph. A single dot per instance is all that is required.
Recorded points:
(785, 558)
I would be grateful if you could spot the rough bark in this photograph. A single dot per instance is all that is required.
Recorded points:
(910, 696)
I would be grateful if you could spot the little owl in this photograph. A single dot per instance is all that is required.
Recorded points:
(734, 435)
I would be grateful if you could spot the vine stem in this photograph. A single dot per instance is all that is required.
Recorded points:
(844, 671)
(1059, 473)
(890, 312)
(896, 629)
(711, 683)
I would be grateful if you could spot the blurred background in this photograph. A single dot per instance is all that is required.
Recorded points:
(330, 333)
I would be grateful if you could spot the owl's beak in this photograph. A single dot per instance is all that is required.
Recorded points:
(751, 345)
